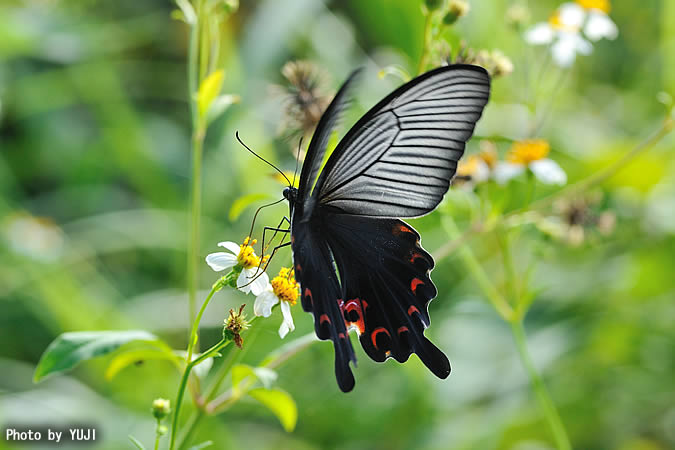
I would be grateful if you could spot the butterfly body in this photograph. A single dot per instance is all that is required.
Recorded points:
(359, 265)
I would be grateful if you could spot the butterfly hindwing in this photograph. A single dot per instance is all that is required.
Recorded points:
(320, 291)
(386, 287)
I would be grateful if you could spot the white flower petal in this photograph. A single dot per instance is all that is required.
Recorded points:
(221, 261)
(243, 280)
(261, 283)
(548, 171)
(264, 303)
(571, 15)
(599, 26)
(287, 325)
(540, 33)
(482, 172)
(231, 246)
(565, 49)
(505, 171)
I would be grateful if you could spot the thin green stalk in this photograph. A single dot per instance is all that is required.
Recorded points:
(494, 297)
(183, 384)
(198, 318)
(157, 434)
(545, 402)
(425, 43)
(195, 219)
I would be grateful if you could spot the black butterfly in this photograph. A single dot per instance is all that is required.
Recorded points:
(359, 266)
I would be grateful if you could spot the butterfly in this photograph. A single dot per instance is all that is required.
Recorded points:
(360, 267)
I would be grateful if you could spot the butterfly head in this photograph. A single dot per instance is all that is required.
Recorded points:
(291, 194)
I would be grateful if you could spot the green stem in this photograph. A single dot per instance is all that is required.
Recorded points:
(494, 297)
(545, 402)
(195, 217)
(157, 434)
(198, 318)
(425, 43)
(183, 385)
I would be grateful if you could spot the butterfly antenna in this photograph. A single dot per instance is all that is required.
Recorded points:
(260, 157)
(255, 216)
(297, 161)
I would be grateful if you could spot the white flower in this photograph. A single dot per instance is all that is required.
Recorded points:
(562, 33)
(251, 278)
(599, 26)
(530, 154)
(287, 325)
(284, 290)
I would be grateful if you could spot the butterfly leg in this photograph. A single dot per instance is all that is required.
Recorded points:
(276, 230)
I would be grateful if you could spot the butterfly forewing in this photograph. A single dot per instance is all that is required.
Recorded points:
(398, 160)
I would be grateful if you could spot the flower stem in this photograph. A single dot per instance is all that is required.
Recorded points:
(197, 144)
(425, 42)
(545, 402)
(183, 384)
(494, 297)
(195, 324)
(157, 434)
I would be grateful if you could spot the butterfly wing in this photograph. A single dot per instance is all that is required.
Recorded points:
(317, 147)
(399, 158)
(386, 288)
(320, 293)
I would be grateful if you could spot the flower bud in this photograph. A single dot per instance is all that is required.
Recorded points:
(433, 5)
(456, 9)
(517, 16)
(161, 408)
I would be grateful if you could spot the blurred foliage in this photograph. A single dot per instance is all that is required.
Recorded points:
(94, 181)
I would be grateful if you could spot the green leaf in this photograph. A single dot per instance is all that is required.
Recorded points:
(136, 442)
(125, 359)
(244, 202)
(280, 403)
(220, 105)
(69, 349)
(208, 91)
(240, 372)
(202, 445)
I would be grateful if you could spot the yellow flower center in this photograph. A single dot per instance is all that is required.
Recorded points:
(285, 287)
(468, 166)
(602, 5)
(247, 257)
(527, 151)
(558, 24)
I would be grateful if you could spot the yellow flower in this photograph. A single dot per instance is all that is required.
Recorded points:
(243, 257)
(530, 154)
(247, 257)
(601, 5)
(283, 290)
(285, 287)
(527, 151)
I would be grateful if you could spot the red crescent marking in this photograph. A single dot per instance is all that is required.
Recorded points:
(341, 335)
(403, 329)
(365, 304)
(308, 293)
(414, 283)
(298, 268)
(413, 309)
(400, 228)
(354, 305)
(415, 256)
(324, 318)
(376, 331)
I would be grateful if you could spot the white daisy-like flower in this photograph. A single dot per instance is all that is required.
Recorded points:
(598, 24)
(563, 33)
(530, 154)
(476, 169)
(284, 290)
(250, 279)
